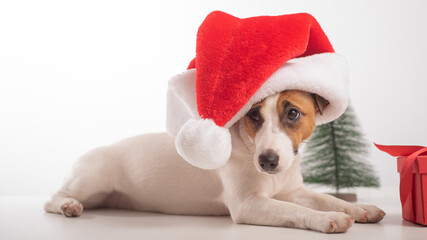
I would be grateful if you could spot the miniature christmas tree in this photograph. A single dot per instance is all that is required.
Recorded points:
(335, 155)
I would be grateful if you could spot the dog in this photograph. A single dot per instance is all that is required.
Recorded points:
(261, 184)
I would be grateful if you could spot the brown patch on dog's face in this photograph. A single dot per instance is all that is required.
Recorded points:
(254, 120)
(297, 111)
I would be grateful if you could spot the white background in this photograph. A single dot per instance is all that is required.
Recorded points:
(78, 74)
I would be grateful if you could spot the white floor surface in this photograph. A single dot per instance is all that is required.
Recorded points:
(24, 218)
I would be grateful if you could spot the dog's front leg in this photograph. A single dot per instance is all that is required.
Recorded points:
(259, 210)
(324, 202)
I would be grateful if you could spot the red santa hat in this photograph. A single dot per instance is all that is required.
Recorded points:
(239, 62)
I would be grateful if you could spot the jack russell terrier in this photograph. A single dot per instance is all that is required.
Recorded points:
(261, 184)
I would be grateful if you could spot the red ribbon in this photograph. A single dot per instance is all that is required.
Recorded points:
(406, 178)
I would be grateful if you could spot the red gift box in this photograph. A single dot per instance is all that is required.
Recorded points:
(412, 166)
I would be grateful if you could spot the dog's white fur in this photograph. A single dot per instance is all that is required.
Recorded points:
(270, 136)
(146, 173)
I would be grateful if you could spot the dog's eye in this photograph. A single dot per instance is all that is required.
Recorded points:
(254, 115)
(293, 114)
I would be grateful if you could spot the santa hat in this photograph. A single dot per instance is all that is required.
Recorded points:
(239, 62)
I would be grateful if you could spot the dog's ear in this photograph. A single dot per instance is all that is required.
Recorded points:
(319, 103)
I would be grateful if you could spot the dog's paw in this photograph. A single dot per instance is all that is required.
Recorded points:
(72, 208)
(331, 222)
(366, 213)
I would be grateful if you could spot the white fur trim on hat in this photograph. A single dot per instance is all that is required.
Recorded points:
(324, 74)
(203, 144)
(181, 101)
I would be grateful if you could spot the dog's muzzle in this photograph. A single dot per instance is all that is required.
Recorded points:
(268, 160)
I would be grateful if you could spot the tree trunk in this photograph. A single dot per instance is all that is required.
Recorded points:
(349, 197)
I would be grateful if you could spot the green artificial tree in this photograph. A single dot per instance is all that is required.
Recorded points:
(336, 156)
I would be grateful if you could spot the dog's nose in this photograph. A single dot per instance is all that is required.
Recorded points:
(268, 160)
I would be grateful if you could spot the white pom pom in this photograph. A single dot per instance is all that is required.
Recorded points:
(204, 144)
